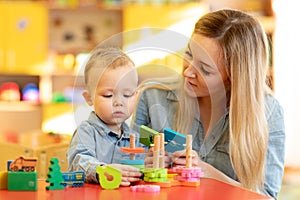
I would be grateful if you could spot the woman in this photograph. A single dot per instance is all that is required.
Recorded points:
(224, 102)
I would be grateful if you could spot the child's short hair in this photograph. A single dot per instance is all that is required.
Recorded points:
(101, 59)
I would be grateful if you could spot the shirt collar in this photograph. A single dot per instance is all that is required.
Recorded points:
(99, 124)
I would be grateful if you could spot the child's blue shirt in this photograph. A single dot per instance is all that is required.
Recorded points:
(94, 144)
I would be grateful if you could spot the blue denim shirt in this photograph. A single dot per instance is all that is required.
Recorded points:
(94, 144)
(156, 109)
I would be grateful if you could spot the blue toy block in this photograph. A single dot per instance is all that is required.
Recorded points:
(147, 135)
(8, 164)
(22, 180)
(175, 141)
(132, 162)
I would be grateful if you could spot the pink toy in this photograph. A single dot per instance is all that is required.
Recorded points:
(145, 188)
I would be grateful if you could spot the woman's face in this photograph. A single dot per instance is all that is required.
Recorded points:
(203, 67)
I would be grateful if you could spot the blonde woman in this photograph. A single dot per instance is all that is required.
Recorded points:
(223, 101)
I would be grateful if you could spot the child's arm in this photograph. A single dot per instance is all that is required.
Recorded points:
(82, 154)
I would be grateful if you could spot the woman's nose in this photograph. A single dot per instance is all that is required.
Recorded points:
(189, 71)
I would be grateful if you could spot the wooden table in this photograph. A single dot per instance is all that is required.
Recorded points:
(209, 189)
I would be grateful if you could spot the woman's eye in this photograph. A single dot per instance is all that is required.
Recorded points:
(188, 54)
(205, 72)
(128, 95)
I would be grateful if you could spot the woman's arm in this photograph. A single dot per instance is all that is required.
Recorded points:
(274, 167)
(178, 158)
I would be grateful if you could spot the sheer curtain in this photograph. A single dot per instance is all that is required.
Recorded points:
(287, 72)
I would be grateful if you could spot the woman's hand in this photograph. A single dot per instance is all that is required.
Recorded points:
(149, 159)
(179, 158)
(129, 173)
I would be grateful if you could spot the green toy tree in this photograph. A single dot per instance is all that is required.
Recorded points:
(54, 176)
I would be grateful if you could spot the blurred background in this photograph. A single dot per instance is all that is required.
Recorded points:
(45, 43)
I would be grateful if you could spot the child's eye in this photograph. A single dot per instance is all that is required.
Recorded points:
(107, 95)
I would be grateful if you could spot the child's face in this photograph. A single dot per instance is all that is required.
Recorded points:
(115, 95)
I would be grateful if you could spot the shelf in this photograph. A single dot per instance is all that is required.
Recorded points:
(18, 106)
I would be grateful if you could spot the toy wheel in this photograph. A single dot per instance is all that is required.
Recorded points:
(32, 169)
(26, 169)
(15, 169)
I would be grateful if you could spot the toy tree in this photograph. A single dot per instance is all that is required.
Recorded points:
(54, 176)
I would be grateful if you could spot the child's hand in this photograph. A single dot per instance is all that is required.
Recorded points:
(129, 173)
(149, 159)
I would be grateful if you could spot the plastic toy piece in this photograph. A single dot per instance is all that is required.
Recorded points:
(73, 179)
(23, 163)
(132, 150)
(109, 177)
(8, 164)
(175, 141)
(155, 175)
(147, 135)
(3, 180)
(54, 176)
(132, 162)
(22, 181)
(188, 175)
(145, 188)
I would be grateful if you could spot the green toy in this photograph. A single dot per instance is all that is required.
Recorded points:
(22, 181)
(155, 175)
(55, 177)
(147, 135)
(109, 177)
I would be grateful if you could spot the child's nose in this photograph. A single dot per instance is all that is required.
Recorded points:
(118, 101)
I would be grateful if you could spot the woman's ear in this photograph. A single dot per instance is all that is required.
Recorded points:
(87, 97)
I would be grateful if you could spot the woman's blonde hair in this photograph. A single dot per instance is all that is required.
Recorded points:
(245, 52)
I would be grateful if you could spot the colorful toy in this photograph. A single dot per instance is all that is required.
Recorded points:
(31, 93)
(22, 180)
(23, 163)
(145, 188)
(10, 91)
(73, 179)
(109, 177)
(174, 141)
(177, 176)
(132, 151)
(188, 175)
(54, 176)
(3, 180)
(147, 135)
(157, 173)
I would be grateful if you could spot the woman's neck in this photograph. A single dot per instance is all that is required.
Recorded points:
(211, 112)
